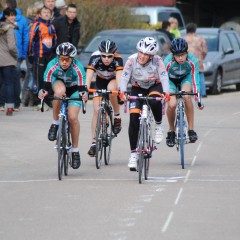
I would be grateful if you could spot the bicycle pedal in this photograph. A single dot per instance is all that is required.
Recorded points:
(133, 169)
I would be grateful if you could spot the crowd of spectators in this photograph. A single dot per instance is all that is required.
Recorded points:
(47, 24)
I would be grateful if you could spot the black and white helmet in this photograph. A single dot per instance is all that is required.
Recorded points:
(107, 46)
(148, 45)
(66, 49)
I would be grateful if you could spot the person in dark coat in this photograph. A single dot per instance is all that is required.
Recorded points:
(68, 27)
(165, 29)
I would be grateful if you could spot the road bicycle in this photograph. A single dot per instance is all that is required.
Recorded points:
(181, 124)
(104, 128)
(63, 142)
(145, 143)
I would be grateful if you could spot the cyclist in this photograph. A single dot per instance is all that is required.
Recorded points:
(65, 73)
(148, 76)
(108, 66)
(182, 68)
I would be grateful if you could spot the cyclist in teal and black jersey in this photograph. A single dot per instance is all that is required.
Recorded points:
(64, 74)
(182, 68)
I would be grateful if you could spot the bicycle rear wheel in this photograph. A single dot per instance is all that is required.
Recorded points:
(109, 136)
(181, 136)
(61, 143)
(99, 139)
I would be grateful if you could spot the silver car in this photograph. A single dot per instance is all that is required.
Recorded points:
(222, 63)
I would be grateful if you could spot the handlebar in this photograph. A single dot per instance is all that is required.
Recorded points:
(65, 99)
(182, 92)
(103, 91)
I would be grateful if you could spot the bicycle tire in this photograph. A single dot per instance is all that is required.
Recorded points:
(141, 154)
(99, 139)
(61, 143)
(181, 136)
(109, 136)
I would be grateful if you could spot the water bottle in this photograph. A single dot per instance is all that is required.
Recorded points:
(144, 111)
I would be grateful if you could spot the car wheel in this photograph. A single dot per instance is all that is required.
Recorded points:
(238, 86)
(217, 86)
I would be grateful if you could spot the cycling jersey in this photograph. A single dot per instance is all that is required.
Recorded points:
(146, 75)
(74, 76)
(103, 71)
(187, 71)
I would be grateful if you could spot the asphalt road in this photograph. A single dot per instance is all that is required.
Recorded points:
(195, 203)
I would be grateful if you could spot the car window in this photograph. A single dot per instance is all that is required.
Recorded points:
(225, 43)
(211, 40)
(163, 16)
(234, 42)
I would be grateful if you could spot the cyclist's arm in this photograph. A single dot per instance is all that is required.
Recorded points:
(89, 77)
(163, 76)
(126, 75)
(118, 77)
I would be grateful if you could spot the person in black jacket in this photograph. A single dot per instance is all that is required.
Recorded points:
(67, 26)
(165, 29)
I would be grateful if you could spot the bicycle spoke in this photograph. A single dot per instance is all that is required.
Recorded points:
(108, 146)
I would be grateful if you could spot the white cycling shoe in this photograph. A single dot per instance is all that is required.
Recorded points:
(132, 164)
(158, 134)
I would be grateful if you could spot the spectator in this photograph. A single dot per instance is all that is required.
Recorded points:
(51, 4)
(9, 56)
(61, 6)
(68, 27)
(165, 29)
(30, 85)
(198, 47)
(174, 27)
(22, 38)
(42, 40)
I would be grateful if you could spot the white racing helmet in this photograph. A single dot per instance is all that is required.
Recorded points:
(148, 45)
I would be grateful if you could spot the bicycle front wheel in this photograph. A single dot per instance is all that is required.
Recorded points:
(181, 136)
(99, 139)
(108, 134)
(61, 143)
(149, 145)
(67, 157)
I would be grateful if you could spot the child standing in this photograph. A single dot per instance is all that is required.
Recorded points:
(43, 39)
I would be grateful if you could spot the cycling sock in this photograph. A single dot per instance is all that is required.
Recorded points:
(56, 122)
(75, 150)
(93, 143)
(158, 123)
(116, 114)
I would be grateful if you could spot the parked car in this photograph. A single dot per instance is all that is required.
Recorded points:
(126, 40)
(222, 63)
(156, 14)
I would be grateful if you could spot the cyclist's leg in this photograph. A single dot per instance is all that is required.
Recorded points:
(189, 109)
(156, 106)
(112, 85)
(133, 129)
(73, 111)
(59, 90)
(171, 108)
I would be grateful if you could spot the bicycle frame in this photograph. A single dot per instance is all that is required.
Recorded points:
(181, 124)
(145, 145)
(104, 127)
(63, 143)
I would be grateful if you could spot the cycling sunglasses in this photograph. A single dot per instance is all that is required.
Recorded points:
(107, 56)
(64, 58)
